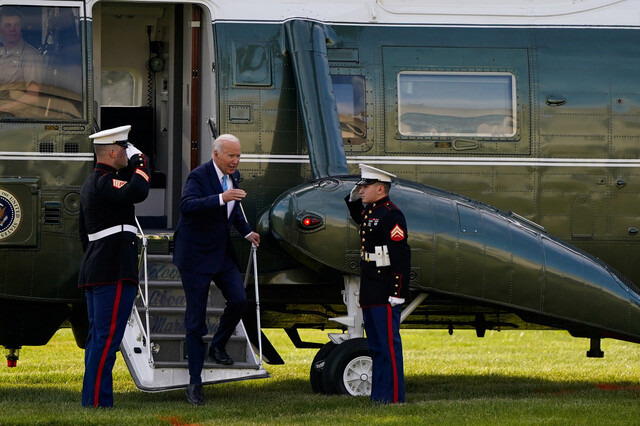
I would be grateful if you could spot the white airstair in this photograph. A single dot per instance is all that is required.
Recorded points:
(154, 347)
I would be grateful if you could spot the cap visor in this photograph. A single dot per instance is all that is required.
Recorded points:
(366, 181)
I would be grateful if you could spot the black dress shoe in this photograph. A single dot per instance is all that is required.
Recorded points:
(195, 394)
(220, 356)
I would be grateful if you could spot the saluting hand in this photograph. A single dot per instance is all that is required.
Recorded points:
(233, 194)
(355, 193)
(132, 150)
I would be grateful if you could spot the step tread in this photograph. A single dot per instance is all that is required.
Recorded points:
(163, 257)
(160, 337)
(180, 310)
(207, 364)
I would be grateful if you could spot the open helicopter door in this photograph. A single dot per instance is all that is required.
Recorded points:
(154, 341)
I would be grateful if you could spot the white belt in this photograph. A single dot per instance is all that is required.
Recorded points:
(381, 256)
(113, 230)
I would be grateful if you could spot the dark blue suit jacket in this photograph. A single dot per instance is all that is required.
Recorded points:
(202, 236)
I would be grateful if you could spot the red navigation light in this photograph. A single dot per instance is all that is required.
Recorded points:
(309, 221)
(12, 355)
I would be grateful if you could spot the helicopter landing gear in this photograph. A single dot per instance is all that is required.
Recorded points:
(348, 369)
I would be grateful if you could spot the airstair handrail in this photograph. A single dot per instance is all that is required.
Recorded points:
(144, 295)
(253, 260)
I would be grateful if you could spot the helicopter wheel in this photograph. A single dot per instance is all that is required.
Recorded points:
(348, 369)
(317, 367)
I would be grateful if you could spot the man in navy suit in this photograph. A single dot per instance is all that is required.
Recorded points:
(203, 252)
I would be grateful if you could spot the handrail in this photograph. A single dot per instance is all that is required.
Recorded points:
(253, 260)
(146, 331)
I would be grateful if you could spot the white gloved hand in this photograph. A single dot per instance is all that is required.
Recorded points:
(355, 193)
(394, 301)
(132, 150)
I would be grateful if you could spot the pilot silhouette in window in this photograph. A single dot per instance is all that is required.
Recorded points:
(21, 66)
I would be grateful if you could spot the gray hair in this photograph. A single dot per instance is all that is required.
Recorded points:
(217, 144)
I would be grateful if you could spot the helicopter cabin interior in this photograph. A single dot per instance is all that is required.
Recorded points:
(146, 60)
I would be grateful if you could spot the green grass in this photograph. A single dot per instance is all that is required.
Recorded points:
(504, 378)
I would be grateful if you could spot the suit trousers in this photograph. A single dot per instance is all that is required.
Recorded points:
(196, 289)
(382, 325)
(109, 307)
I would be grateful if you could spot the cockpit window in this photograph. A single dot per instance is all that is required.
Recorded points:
(41, 74)
(464, 104)
(350, 97)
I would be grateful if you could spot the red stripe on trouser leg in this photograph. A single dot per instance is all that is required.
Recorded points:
(112, 330)
(392, 352)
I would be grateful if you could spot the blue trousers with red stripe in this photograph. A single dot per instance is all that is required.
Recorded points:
(382, 325)
(109, 307)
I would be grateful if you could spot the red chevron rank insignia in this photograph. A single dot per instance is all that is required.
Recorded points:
(117, 183)
(397, 234)
(143, 174)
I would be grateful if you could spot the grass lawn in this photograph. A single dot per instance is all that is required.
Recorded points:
(507, 377)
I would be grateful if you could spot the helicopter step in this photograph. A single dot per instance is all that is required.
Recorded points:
(154, 345)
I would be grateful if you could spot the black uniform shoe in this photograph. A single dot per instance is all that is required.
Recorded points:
(220, 356)
(195, 394)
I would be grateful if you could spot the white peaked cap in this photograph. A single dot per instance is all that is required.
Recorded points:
(118, 135)
(371, 175)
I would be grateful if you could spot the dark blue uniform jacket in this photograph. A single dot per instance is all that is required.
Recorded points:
(107, 199)
(382, 223)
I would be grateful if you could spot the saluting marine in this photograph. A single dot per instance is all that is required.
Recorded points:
(384, 278)
(109, 270)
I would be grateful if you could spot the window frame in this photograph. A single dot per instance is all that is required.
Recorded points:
(513, 102)
(136, 95)
(363, 139)
(80, 25)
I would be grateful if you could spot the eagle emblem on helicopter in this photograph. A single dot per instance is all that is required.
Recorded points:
(10, 214)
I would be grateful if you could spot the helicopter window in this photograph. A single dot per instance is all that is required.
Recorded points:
(41, 75)
(467, 104)
(119, 88)
(350, 98)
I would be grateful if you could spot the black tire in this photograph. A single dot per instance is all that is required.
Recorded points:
(347, 369)
(317, 366)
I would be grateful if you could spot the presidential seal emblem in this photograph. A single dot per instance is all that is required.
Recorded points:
(10, 214)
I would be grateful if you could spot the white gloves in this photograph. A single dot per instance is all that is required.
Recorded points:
(394, 301)
(132, 150)
(355, 193)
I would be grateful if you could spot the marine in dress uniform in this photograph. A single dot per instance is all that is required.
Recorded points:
(384, 281)
(203, 251)
(109, 269)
